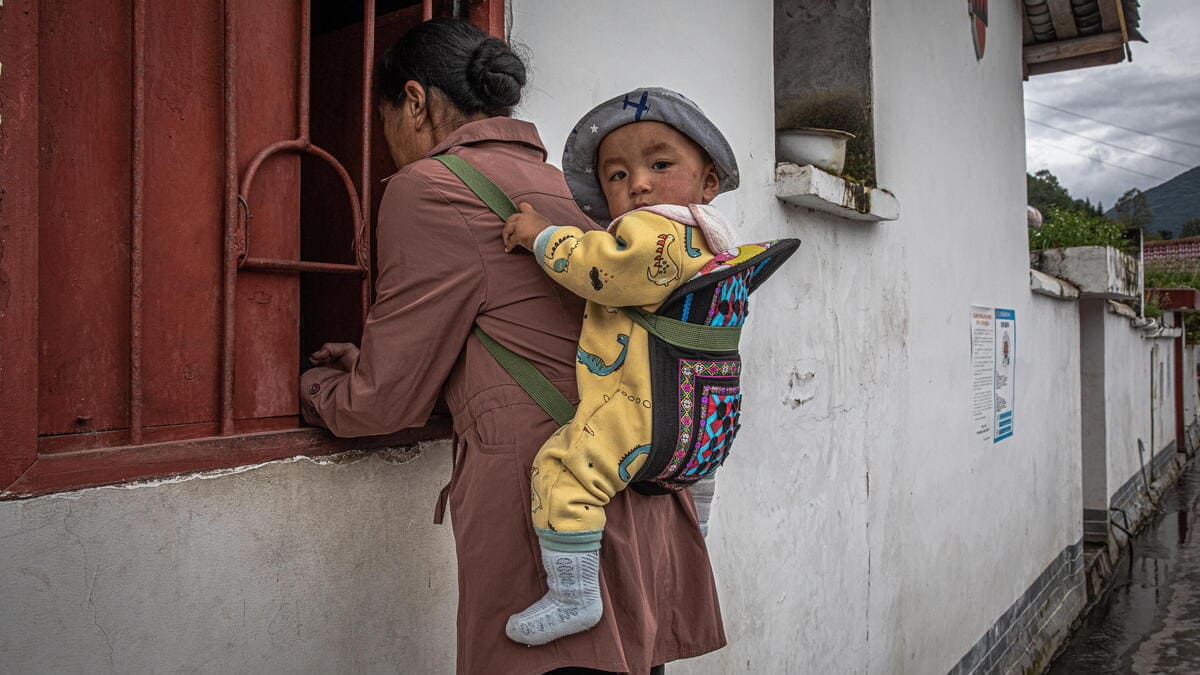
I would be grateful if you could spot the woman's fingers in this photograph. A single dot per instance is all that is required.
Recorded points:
(520, 228)
(335, 354)
(510, 226)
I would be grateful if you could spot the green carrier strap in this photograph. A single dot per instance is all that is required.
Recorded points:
(546, 395)
(686, 335)
(481, 185)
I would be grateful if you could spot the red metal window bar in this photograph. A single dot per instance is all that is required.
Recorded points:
(91, 459)
(237, 229)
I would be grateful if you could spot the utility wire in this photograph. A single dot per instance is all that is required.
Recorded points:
(1097, 159)
(1119, 147)
(1111, 124)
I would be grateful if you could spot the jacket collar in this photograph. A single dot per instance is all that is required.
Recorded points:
(503, 129)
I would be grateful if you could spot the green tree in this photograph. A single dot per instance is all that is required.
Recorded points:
(1045, 192)
(1133, 210)
(1191, 228)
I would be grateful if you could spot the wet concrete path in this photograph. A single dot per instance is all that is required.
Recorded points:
(1150, 620)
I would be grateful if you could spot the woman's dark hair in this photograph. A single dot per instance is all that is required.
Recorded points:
(477, 72)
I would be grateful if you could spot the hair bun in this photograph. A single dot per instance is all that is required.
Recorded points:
(496, 74)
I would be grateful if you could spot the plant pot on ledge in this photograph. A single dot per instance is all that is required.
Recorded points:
(1098, 271)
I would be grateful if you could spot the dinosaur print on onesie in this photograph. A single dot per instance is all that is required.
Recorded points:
(664, 270)
(637, 456)
(595, 363)
(534, 496)
(558, 253)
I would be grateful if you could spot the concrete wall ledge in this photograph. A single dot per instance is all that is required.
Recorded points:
(1121, 309)
(1150, 327)
(1052, 287)
(1163, 333)
(1098, 271)
(813, 188)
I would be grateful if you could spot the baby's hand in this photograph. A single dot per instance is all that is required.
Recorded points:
(522, 228)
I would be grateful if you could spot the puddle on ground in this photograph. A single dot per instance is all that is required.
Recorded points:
(1146, 622)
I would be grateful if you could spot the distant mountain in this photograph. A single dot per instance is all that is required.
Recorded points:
(1174, 202)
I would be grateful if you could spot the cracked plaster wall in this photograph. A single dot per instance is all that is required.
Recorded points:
(960, 527)
(1191, 392)
(293, 566)
(1131, 412)
(856, 502)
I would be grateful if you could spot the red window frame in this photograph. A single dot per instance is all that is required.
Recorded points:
(26, 471)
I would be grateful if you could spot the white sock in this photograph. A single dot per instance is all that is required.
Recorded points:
(572, 604)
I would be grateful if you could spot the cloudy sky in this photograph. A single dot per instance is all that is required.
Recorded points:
(1159, 93)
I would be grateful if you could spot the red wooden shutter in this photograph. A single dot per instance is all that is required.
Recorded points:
(147, 325)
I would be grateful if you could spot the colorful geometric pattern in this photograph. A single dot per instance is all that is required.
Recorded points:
(730, 300)
(689, 371)
(720, 407)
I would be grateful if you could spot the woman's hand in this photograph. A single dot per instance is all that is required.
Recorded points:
(340, 355)
(522, 228)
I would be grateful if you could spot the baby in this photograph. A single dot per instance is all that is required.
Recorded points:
(653, 161)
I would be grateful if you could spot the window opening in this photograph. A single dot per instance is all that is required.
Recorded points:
(237, 240)
(823, 75)
(326, 315)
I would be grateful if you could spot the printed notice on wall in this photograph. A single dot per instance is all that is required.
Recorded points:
(993, 366)
(983, 371)
(1006, 361)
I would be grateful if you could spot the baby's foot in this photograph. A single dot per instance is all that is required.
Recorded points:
(572, 604)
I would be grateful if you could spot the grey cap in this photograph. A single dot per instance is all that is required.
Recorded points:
(652, 104)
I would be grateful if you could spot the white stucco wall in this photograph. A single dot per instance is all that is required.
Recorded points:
(952, 513)
(856, 504)
(1133, 412)
(294, 567)
(1191, 393)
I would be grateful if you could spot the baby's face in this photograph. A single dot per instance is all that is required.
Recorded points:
(650, 163)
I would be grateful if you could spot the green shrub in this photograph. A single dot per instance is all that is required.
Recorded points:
(1063, 228)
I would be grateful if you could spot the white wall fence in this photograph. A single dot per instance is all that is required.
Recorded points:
(861, 524)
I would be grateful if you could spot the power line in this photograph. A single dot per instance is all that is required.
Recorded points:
(1119, 147)
(1111, 124)
(1097, 159)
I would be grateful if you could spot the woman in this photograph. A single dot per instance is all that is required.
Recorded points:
(446, 87)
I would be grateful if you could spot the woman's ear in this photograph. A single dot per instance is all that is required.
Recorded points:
(712, 182)
(416, 103)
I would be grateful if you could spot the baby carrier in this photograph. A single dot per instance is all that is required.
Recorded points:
(694, 357)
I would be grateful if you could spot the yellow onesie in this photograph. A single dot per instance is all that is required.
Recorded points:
(638, 262)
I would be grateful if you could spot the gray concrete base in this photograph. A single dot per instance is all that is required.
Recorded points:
(1134, 500)
(1027, 635)
(1137, 501)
